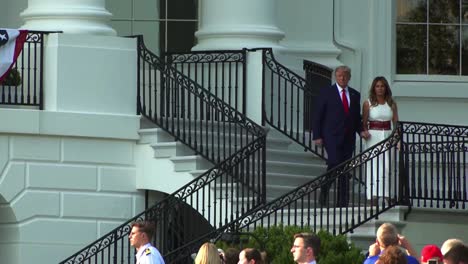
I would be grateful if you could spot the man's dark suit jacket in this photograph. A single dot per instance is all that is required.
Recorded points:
(330, 123)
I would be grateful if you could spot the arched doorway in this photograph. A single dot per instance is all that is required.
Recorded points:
(9, 234)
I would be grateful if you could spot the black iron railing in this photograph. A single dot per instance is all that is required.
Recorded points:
(288, 100)
(221, 72)
(436, 158)
(30, 66)
(422, 165)
(232, 142)
(373, 178)
(317, 76)
(300, 207)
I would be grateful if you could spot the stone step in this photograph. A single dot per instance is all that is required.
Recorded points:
(274, 178)
(196, 173)
(293, 156)
(190, 163)
(295, 168)
(153, 135)
(171, 149)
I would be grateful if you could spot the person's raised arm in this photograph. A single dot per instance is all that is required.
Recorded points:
(407, 245)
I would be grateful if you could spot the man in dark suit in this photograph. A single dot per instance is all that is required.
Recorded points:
(336, 121)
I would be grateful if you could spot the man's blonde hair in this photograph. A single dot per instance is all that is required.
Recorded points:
(387, 235)
(449, 244)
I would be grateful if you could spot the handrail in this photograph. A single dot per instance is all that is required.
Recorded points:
(222, 72)
(408, 184)
(287, 97)
(234, 186)
(297, 207)
(157, 211)
(437, 156)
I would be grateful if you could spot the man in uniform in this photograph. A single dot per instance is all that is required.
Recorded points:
(140, 237)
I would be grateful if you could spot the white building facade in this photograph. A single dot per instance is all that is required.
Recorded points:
(70, 172)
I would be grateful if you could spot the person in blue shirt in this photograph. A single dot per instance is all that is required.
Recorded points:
(387, 235)
(391, 255)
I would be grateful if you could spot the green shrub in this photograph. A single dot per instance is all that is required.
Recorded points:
(13, 78)
(277, 242)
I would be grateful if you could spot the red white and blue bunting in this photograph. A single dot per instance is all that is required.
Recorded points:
(11, 44)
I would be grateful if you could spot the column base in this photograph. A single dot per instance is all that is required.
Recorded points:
(218, 38)
(91, 21)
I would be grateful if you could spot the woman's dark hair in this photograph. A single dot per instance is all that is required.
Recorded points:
(388, 92)
(231, 256)
(253, 253)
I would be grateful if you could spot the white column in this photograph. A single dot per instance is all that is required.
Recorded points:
(309, 27)
(236, 24)
(90, 74)
(69, 16)
(254, 86)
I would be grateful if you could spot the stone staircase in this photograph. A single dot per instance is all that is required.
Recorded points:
(287, 167)
(158, 151)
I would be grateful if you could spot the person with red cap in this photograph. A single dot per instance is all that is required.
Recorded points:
(431, 254)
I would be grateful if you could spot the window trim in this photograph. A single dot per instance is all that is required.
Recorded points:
(422, 77)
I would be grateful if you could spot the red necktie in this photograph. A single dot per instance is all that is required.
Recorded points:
(344, 99)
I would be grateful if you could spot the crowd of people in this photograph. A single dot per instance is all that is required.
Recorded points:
(337, 120)
(390, 247)
(304, 250)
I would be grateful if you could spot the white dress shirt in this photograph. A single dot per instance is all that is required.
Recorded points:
(346, 91)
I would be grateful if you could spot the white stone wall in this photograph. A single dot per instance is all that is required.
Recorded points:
(364, 30)
(433, 226)
(59, 193)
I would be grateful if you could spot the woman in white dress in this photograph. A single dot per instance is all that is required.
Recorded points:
(379, 116)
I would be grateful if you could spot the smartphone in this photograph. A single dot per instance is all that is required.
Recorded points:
(432, 261)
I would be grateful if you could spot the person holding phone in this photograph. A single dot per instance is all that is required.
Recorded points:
(431, 254)
(387, 236)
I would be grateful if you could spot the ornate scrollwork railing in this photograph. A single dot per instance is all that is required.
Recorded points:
(231, 141)
(436, 158)
(404, 153)
(440, 130)
(220, 56)
(298, 207)
(288, 99)
(221, 72)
